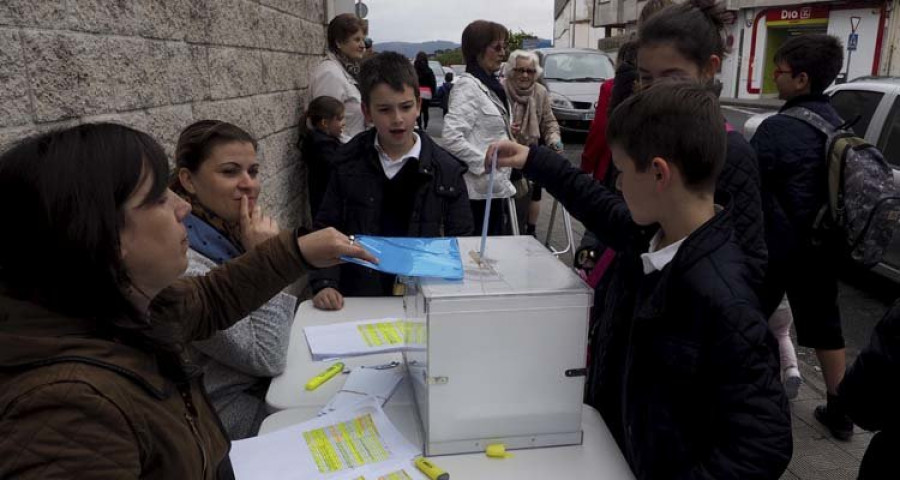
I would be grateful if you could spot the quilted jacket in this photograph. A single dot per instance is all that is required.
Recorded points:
(686, 374)
(75, 404)
(791, 157)
(871, 396)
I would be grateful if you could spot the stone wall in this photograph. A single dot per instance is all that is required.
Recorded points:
(159, 65)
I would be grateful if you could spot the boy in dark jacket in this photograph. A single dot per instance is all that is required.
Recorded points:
(389, 181)
(695, 392)
(792, 164)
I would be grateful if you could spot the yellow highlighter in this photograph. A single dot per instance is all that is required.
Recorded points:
(325, 376)
(431, 470)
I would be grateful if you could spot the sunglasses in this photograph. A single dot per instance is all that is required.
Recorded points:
(529, 71)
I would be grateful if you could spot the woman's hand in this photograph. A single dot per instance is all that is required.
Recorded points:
(509, 154)
(255, 227)
(324, 248)
(328, 299)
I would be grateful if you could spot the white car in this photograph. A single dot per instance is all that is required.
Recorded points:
(875, 101)
(573, 77)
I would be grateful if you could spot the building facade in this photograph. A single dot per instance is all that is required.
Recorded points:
(160, 65)
(572, 25)
(757, 28)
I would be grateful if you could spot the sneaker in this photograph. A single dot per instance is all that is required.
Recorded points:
(840, 425)
(792, 386)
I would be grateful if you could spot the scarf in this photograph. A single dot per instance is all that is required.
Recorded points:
(525, 113)
(489, 81)
(350, 66)
(210, 234)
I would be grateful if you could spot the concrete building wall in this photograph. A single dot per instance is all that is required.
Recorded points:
(159, 65)
(572, 25)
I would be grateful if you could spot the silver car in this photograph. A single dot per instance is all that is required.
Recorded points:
(876, 102)
(573, 77)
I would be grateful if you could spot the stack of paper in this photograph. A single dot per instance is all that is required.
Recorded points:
(345, 444)
(363, 338)
(378, 383)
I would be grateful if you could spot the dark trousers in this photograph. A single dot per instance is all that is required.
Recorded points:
(497, 222)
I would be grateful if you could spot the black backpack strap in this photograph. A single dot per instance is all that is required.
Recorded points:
(812, 118)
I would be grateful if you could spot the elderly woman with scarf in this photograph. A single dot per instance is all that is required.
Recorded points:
(216, 172)
(478, 116)
(533, 122)
(336, 75)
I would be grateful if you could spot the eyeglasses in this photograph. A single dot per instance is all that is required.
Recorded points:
(529, 71)
(500, 47)
(779, 72)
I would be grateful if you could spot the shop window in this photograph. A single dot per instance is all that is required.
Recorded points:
(857, 103)
(890, 136)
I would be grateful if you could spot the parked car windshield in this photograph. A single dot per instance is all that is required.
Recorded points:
(577, 67)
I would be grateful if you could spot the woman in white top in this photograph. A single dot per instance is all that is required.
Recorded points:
(336, 75)
(478, 116)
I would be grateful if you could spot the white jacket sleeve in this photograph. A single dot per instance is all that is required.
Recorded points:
(458, 123)
(327, 81)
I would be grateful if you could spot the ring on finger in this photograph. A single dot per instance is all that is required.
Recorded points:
(352, 239)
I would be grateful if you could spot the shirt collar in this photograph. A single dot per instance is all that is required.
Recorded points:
(656, 260)
(391, 166)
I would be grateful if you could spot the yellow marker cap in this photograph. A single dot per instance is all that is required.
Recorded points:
(431, 470)
(497, 450)
(325, 376)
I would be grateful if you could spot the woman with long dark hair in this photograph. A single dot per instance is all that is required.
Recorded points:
(95, 377)
(426, 81)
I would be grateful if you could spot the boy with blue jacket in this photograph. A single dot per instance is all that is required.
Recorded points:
(693, 391)
(793, 170)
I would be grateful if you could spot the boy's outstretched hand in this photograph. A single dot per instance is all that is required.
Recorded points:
(509, 154)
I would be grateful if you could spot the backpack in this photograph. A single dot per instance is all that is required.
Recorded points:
(863, 200)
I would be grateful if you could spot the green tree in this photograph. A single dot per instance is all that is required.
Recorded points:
(516, 39)
(450, 57)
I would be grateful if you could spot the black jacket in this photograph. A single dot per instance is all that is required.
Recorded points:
(871, 395)
(318, 150)
(683, 367)
(740, 181)
(791, 156)
(353, 205)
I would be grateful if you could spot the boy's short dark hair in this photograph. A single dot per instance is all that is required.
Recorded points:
(324, 108)
(389, 68)
(478, 35)
(448, 77)
(820, 56)
(678, 121)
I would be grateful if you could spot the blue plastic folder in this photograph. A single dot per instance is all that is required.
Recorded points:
(413, 257)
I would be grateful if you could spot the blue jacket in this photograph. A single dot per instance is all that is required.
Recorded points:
(791, 157)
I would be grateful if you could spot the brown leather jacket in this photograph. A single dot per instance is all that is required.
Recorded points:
(74, 405)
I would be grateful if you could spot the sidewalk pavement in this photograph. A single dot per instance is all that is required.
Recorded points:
(818, 455)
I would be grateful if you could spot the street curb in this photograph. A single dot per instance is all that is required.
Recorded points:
(770, 103)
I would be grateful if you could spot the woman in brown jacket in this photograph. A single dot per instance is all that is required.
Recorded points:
(94, 378)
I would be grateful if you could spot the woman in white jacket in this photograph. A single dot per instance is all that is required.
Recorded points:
(336, 75)
(478, 116)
